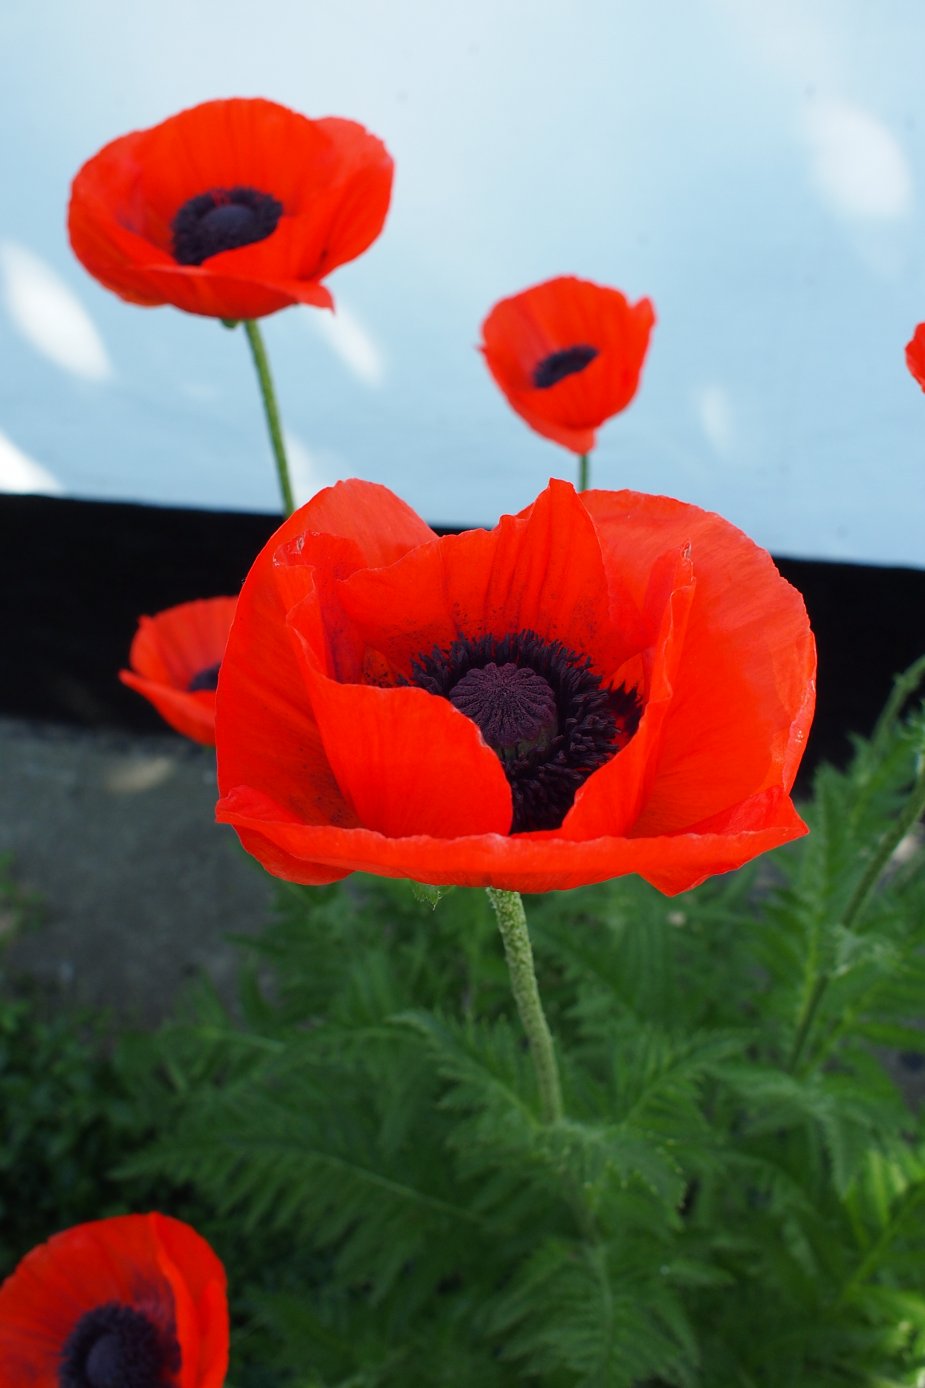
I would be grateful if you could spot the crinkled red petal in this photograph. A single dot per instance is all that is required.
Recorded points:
(541, 571)
(744, 687)
(524, 862)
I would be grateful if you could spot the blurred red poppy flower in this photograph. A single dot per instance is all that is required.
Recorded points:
(915, 354)
(567, 354)
(139, 1299)
(232, 209)
(607, 683)
(175, 659)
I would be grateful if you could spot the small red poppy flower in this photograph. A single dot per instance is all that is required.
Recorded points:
(915, 354)
(232, 209)
(567, 354)
(175, 659)
(607, 683)
(137, 1300)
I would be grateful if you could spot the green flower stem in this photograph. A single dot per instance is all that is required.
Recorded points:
(271, 410)
(910, 814)
(584, 471)
(512, 922)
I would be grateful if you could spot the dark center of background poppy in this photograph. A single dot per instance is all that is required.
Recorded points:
(558, 365)
(222, 220)
(541, 708)
(205, 679)
(115, 1346)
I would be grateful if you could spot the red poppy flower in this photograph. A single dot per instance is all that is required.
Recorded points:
(175, 659)
(567, 354)
(232, 209)
(137, 1300)
(607, 683)
(915, 354)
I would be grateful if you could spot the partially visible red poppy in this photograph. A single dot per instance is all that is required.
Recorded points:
(139, 1299)
(567, 354)
(175, 659)
(232, 209)
(607, 683)
(915, 354)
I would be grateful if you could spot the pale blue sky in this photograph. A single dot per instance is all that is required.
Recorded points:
(754, 169)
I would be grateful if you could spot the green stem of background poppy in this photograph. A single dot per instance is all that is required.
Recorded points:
(584, 471)
(910, 815)
(512, 922)
(271, 410)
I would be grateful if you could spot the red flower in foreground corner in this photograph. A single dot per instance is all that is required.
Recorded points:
(915, 354)
(132, 1302)
(567, 354)
(232, 209)
(175, 659)
(607, 683)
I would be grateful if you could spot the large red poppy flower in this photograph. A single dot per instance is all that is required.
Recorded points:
(138, 1300)
(232, 209)
(915, 354)
(567, 354)
(175, 659)
(607, 683)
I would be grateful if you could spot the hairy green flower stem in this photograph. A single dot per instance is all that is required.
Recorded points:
(512, 922)
(910, 815)
(584, 471)
(270, 409)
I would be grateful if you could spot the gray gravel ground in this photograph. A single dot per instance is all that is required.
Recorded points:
(138, 887)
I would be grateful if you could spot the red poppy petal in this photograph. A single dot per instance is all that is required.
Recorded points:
(610, 802)
(382, 525)
(191, 715)
(525, 862)
(244, 806)
(182, 641)
(197, 1280)
(575, 440)
(541, 571)
(167, 653)
(915, 354)
(745, 681)
(195, 289)
(339, 530)
(409, 763)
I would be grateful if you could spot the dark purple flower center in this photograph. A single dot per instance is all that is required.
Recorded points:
(541, 708)
(115, 1346)
(205, 679)
(558, 365)
(222, 220)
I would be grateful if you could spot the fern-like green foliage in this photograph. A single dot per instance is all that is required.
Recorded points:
(734, 1199)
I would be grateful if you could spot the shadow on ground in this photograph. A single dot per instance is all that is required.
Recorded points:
(138, 888)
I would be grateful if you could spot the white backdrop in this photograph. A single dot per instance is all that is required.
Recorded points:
(756, 169)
